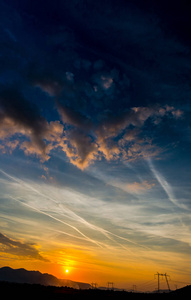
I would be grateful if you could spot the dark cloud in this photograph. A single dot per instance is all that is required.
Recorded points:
(15, 106)
(115, 137)
(72, 117)
(18, 118)
(83, 140)
(45, 79)
(20, 249)
(108, 70)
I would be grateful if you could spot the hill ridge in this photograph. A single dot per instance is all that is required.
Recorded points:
(22, 275)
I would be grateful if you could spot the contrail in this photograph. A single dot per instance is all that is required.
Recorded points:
(84, 237)
(26, 185)
(54, 218)
(165, 185)
(125, 239)
(72, 215)
(68, 211)
(101, 230)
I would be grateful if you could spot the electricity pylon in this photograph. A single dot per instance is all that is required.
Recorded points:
(166, 277)
(110, 284)
(134, 288)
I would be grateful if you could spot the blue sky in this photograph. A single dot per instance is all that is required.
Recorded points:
(95, 138)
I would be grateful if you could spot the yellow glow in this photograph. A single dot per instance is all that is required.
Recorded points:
(67, 270)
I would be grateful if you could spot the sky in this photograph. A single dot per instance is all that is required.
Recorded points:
(95, 139)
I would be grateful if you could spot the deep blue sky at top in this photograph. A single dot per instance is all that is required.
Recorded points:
(86, 64)
(96, 61)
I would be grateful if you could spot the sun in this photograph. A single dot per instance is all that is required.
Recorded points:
(67, 271)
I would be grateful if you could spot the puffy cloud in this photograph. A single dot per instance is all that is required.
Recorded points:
(120, 136)
(54, 131)
(136, 116)
(79, 148)
(109, 149)
(20, 249)
(177, 113)
(78, 143)
(116, 138)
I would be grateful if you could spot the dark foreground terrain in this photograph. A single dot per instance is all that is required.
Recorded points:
(28, 291)
(35, 277)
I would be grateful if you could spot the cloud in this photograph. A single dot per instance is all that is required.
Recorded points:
(74, 118)
(139, 187)
(47, 80)
(42, 198)
(165, 185)
(115, 137)
(20, 249)
(123, 136)
(177, 113)
(19, 117)
(136, 116)
(20, 120)
(118, 136)
(79, 148)
(84, 140)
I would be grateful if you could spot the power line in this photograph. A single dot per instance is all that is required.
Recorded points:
(146, 282)
(181, 282)
(147, 285)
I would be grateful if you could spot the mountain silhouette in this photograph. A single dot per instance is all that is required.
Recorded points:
(35, 277)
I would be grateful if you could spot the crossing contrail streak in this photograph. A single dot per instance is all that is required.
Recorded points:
(56, 219)
(68, 211)
(72, 215)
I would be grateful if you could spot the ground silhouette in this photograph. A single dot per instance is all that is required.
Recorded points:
(11, 290)
(36, 277)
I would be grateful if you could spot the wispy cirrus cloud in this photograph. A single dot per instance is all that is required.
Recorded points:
(97, 223)
(52, 205)
(139, 187)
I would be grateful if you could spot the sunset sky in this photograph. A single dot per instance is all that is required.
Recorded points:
(95, 139)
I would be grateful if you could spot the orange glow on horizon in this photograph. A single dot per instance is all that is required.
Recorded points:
(87, 266)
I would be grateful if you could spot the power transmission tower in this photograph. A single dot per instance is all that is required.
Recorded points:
(158, 281)
(166, 277)
(134, 288)
(110, 284)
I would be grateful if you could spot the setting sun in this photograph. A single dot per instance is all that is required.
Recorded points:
(67, 271)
